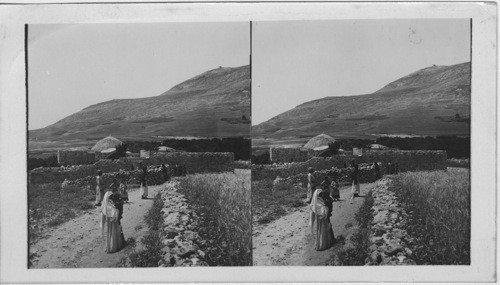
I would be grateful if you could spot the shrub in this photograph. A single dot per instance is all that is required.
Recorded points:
(223, 202)
(357, 251)
(154, 218)
(152, 241)
(152, 254)
(50, 161)
(439, 207)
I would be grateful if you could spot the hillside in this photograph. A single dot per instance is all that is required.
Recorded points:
(209, 105)
(422, 103)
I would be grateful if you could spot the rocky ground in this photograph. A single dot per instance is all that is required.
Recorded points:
(79, 243)
(288, 240)
(180, 230)
(388, 237)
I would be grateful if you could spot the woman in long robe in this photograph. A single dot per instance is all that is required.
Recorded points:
(111, 213)
(321, 228)
(144, 183)
(99, 190)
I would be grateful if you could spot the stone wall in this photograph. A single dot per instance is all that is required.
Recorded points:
(131, 177)
(180, 231)
(195, 162)
(75, 157)
(367, 174)
(388, 239)
(406, 160)
(282, 154)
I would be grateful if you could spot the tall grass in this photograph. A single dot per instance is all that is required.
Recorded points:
(439, 204)
(223, 203)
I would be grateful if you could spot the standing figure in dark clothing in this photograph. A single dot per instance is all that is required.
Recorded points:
(164, 171)
(144, 182)
(183, 170)
(377, 170)
(176, 169)
(355, 182)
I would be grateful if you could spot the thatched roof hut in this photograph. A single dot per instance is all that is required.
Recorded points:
(319, 141)
(165, 149)
(106, 143)
(378, 146)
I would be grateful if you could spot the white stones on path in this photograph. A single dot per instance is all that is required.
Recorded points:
(388, 237)
(180, 234)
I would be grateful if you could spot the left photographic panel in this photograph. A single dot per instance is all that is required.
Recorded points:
(138, 145)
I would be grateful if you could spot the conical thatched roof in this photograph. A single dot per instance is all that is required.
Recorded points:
(106, 143)
(318, 141)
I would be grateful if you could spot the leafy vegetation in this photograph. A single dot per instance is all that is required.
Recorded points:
(456, 147)
(439, 207)
(356, 251)
(262, 158)
(50, 161)
(241, 147)
(223, 203)
(152, 241)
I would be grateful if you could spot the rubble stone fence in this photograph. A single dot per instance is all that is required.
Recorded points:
(367, 174)
(388, 239)
(195, 162)
(406, 160)
(131, 177)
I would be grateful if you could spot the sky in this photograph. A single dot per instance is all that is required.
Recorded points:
(298, 61)
(73, 66)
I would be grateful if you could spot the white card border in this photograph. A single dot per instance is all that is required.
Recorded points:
(13, 206)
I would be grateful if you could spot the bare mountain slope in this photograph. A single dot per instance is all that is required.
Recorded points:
(210, 105)
(423, 103)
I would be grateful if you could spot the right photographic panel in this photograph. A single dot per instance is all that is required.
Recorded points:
(361, 142)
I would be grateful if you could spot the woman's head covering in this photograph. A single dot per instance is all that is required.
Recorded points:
(317, 204)
(108, 209)
(311, 170)
(99, 172)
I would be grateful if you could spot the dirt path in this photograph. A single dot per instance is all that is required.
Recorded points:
(79, 242)
(288, 240)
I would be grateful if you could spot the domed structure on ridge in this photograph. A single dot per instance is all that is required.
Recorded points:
(106, 143)
(319, 141)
